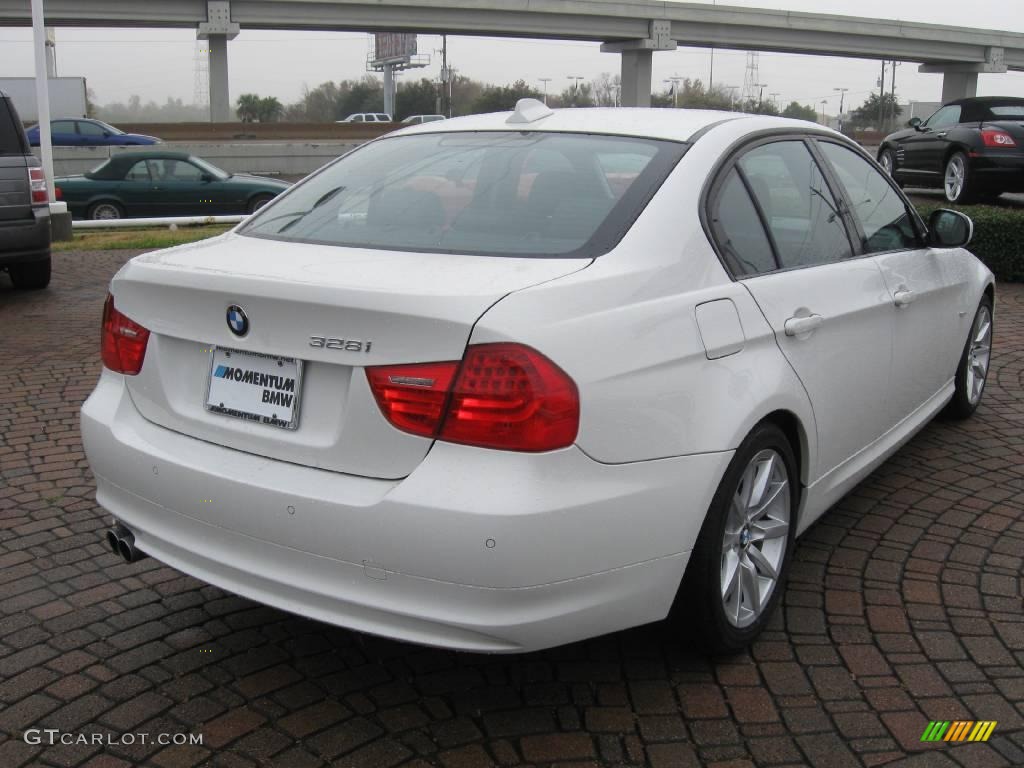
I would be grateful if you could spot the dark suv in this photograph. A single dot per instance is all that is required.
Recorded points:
(24, 207)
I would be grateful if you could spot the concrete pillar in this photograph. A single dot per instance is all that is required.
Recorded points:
(217, 30)
(959, 85)
(220, 95)
(389, 89)
(636, 77)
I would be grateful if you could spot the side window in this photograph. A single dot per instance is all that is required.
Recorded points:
(62, 126)
(801, 212)
(138, 172)
(90, 129)
(738, 231)
(944, 118)
(883, 216)
(179, 170)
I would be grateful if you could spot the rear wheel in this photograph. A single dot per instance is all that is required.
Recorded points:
(958, 182)
(737, 571)
(105, 210)
(972, 372)
(32, 276)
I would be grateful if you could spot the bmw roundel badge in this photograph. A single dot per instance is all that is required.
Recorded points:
(237, 320)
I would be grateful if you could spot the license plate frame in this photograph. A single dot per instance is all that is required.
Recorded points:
(264, 366)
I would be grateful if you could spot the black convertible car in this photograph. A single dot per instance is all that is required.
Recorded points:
(973, 149)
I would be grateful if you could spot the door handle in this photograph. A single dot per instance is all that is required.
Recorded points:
(904, 298)
(798, 326)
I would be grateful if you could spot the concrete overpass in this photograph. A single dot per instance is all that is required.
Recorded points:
(633, 28)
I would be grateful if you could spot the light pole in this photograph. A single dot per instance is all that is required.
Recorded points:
(775, 98)
(824, 103)
(575, 86)
(675, 89)
(545, 80)
(760, 94)
(842, 101)
(732, 95)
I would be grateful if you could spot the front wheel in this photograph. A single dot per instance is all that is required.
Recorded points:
(958, 182)
(737, 570)
(258, 202)
(972, 372)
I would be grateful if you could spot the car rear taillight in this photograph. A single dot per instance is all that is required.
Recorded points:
(505, 396)
(123, 343)
(58, 193)
(994, 138)
(37, 183)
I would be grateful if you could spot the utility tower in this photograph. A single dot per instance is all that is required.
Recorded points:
(752, 78)
(201, 68)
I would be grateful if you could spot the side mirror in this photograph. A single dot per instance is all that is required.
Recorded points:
(207, 177)
(949, 229)
(915, 123)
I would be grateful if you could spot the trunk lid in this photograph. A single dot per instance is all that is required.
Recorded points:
(382, 307)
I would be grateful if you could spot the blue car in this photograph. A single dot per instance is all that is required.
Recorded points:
(79, 132)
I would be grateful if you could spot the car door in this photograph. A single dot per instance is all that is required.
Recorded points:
(924, 150)
(829, 311)
(91, 134)
(63, 134)
(138, 192)
(923, 283)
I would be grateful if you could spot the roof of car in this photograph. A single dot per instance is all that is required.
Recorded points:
(119, 163)
(671, 124)
(988, 100)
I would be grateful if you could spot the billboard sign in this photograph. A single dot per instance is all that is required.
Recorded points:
(393, 46)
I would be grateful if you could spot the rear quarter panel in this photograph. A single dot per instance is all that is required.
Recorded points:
(625, 329)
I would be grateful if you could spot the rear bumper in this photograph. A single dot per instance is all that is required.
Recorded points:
(1004, 172)
(476, 550)
(27, 240)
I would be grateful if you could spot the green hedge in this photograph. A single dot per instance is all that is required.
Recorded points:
(998, 237)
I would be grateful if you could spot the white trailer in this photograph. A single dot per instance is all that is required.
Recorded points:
(67, 97)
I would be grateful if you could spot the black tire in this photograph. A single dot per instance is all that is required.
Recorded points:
(97, 210)
(33, 276)
(699, 605)
(967, 192)
(964, 403)
(887, 159)
(258, 202)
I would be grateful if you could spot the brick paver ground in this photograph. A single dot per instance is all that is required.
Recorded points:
(904, 606)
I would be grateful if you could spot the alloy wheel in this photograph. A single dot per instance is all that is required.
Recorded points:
(956, 177)
(755, 539)
(106, 212)
(979, 355)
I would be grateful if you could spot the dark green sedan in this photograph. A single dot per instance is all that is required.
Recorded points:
(160, 183)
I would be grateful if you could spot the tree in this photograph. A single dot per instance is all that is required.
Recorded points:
(759, 107)
(606, 90)
(692, 94)
(248, 107)
(799, 111)
(578, 95)
(269, 109)
(503, 98)
(878, 112)
(418, 98)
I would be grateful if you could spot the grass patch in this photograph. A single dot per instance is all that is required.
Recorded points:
(137, 239)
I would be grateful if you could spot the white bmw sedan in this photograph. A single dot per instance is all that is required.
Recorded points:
(508, 381)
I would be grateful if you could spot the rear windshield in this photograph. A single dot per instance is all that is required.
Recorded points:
(485, 193)
(12, 137)
(1008, 110)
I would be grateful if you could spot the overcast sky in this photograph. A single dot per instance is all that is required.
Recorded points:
(157, 63)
